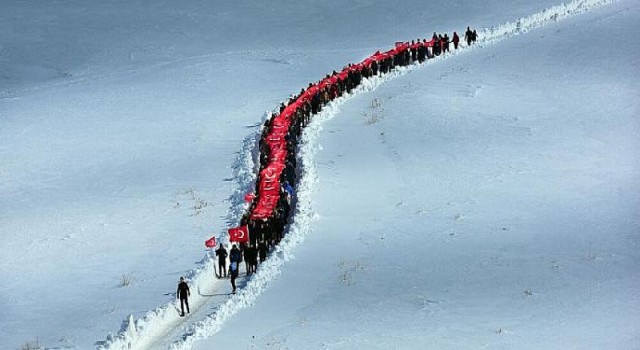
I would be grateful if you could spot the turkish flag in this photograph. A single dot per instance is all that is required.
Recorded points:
(239, 234)
(210, 243)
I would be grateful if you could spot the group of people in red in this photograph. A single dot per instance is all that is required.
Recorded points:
(269, 207)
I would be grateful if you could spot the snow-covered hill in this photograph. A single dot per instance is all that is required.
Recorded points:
(489, 199)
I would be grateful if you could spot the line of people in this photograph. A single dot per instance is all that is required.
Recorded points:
(269, 209)
(249, 254)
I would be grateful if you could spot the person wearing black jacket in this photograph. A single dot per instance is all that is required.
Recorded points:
(183, 293)
(455, 40)
(414, 51)
(235, 257)
(221, 253)
(422, 52)
(468, 36)
(251, 258)
(437, 48)
(263, 249)
(374, 67)
(445, 43)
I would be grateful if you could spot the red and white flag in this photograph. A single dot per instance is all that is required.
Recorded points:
(239, 234)
(210, 243)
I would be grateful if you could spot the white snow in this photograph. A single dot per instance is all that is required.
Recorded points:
(484, 200)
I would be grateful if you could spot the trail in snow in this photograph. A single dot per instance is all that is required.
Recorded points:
(160, 326)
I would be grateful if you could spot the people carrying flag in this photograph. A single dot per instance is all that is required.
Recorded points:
(270, 205)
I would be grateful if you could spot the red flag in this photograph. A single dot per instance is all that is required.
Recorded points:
(249, 197)
(239, 234)
(210, 243)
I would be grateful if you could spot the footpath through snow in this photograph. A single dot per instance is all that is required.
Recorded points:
(157, 327)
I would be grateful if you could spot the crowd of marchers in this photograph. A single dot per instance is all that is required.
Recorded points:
(268, 213)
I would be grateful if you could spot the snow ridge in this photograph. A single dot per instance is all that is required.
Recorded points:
(142, 333)
(536, 20)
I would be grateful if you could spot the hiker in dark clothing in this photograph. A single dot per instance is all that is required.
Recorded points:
(414, 51)
(255, 229)
(422, 52)
(251, 258)
(468, 36)
(221, 253)
(233, 272)
(267, 230)
(235, 257)
(383, 66)
(474, 36)
(243, 250)
(455, 40)
(183, 293)
(263, 249)
(437, 47)
(445, 43)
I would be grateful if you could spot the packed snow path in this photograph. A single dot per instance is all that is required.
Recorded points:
(162, 325)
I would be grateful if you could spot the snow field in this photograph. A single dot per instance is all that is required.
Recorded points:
(213, 323)
(62, 229)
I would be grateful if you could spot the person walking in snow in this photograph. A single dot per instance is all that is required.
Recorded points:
(235, 257)
(263, 249)
(251, 258)
(474, 36)
(455, 40)
(221, 253)
(445, 43)
(422, 52)
(183, 294)
(436, 44)
(245, 256)
(468, 36)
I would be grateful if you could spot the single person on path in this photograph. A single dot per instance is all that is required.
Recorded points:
(183, 294)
